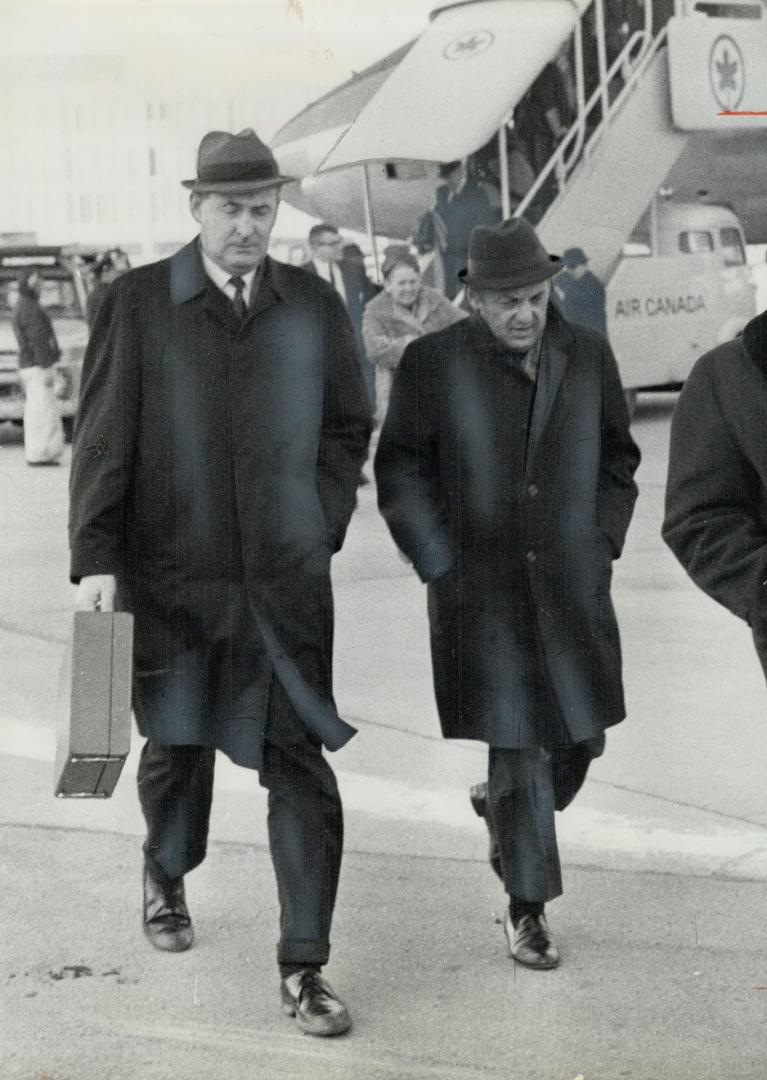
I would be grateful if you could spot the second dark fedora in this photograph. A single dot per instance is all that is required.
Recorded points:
(507, 256)
(241, 162)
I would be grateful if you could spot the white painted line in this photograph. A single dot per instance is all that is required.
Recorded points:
(581, 828)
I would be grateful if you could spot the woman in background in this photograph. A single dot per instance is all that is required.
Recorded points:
(404, 311)
(38, 352)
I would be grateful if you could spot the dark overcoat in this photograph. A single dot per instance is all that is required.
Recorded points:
(513, 511)
(358, 289)
(34, 333)
(582, 300)
(716, 496)
(214, 471)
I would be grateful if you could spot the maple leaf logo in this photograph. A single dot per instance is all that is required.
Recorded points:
(727, 71)
(469, 44)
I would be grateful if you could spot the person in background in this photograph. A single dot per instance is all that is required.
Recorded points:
(120, 260)
(460, 205)
(348, 278)
(404, 311)
(545, 113)
(520, 173)
(38, 352)
(505, 474)
(579, 294)
(105, 271)
(353, 260)
(543, 117)
(220, 435)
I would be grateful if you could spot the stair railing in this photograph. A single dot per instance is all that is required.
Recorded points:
(578, 143)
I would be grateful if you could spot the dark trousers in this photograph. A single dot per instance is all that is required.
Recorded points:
(305, 823)
(524, 788)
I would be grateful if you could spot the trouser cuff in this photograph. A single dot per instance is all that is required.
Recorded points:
(303, 951)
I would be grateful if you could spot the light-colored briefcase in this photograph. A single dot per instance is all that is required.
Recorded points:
(93, 737)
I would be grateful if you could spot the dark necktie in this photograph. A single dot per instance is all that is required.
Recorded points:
(238, 303)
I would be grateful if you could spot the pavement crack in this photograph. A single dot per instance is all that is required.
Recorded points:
(678, 802)
(480, 749)
(419, 857)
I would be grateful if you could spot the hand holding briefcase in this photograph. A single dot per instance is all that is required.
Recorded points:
(93, 737)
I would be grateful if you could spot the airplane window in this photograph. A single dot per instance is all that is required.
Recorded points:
(696, 242)
(732, 247)
(405, 170)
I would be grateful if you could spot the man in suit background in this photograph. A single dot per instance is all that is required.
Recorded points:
(579, 294)
(330, 260)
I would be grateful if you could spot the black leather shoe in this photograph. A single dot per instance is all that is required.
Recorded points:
(166, 918)
(478, 796)
(308, 997)
(530, 941)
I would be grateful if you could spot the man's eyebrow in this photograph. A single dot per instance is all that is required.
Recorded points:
(231, 201)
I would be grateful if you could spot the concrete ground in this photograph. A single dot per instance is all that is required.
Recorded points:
(661, 928)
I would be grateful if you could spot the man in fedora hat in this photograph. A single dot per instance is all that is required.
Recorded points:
(505, 473)
(579, 294)
(221, 431)
(460, 205)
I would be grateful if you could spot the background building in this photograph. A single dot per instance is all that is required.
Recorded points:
(103, 103)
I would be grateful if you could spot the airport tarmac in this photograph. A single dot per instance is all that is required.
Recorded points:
(665, 854)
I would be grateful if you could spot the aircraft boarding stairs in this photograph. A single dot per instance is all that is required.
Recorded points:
(663, 88)
(608, 177)
(454, 89)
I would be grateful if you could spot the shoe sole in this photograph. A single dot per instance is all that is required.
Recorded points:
(327, 1027)
(545, 965)
(168, 942)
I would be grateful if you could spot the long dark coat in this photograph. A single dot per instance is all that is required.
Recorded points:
(214, 472)
(359, 289)
(34, 333)
(716, 496)
(582, 300)
(515, 536)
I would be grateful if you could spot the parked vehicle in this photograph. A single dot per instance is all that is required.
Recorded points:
(66, 282)
(682, 289)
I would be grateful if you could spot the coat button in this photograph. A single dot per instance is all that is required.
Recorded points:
(532, 491)
(531, 556)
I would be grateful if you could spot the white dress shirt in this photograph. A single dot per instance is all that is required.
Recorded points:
(223, 280)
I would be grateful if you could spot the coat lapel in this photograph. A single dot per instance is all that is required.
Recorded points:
(554, 359)
(188, 280)
(266, 294)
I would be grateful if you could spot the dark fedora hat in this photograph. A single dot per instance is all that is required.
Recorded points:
(241, 162)
(507, 256)
(574, 257)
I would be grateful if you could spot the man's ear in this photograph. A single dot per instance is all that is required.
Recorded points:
(194, 205)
